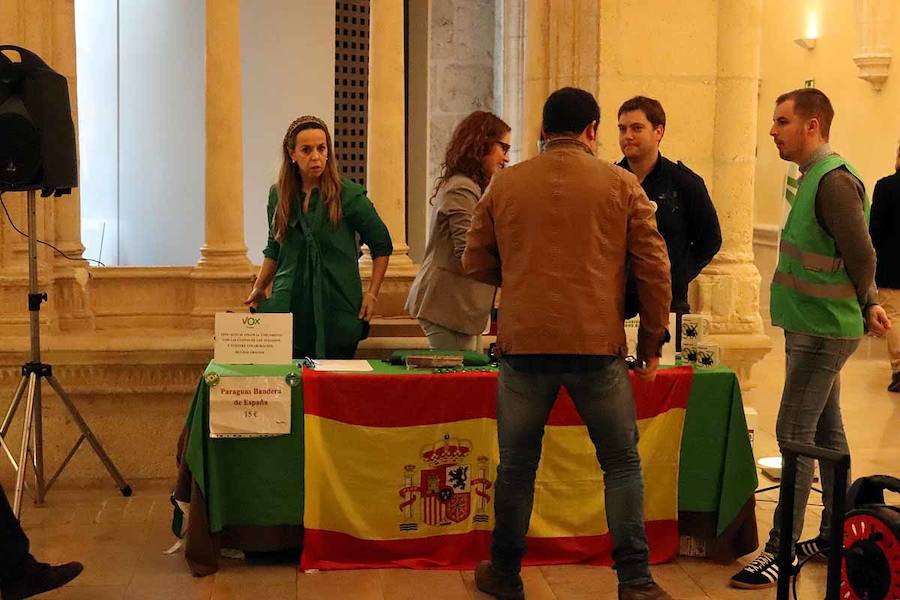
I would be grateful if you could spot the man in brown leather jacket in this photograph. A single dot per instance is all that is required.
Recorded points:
(555, 231)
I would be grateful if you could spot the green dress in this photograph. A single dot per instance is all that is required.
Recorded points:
(317, 271)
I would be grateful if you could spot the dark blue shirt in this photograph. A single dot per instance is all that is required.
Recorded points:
(687, 220)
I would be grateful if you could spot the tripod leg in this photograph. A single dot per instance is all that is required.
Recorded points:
(7, 420)
(17, 397)
(89, 436)
(26, 438)
(37, 442)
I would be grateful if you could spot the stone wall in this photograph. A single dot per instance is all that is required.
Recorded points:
(461, 70)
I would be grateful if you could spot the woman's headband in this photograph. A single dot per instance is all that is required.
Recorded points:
(304, 120)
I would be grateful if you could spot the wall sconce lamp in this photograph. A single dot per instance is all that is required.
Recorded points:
(808, 41)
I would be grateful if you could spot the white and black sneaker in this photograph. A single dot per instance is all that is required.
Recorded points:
(817, 546)
(760, 573)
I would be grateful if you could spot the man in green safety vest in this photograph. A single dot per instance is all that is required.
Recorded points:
(824, 297)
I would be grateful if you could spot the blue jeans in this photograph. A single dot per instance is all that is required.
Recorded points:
(602, 395)
(810, 413)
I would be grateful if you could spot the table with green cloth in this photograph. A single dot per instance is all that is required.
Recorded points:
(717, 475)
(248, 493)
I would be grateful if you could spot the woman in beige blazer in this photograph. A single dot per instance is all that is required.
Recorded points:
(451, 308)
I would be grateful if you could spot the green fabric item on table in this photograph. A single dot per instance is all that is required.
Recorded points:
(718, 472)
(471, 358)
(269, 494)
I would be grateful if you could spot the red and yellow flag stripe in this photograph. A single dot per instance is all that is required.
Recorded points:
(400, 468)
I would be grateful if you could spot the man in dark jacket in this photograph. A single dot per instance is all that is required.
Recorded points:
(21, 576)
(884, 226)
(685, 214)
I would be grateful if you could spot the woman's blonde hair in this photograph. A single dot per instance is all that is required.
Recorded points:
(290, 181)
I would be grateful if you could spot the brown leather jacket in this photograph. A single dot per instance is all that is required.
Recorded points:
(555, 232)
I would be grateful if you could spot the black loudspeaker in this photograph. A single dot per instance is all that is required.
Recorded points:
(37, 135)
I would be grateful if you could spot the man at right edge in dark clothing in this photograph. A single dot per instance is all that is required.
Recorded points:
(824, 298)
(885, 229)
(685, 215)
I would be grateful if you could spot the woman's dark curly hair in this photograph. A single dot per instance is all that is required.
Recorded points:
(472, 140)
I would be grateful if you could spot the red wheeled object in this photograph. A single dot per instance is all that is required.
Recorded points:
(871, 566)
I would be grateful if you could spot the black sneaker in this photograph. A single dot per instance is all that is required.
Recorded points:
(895, 383)
(502, 587)
(760, 573)
(817, 546)
(38, 578)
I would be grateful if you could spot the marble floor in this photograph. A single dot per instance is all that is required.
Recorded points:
(121, 540)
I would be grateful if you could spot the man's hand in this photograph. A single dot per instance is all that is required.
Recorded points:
(648, 371)
(877, 320)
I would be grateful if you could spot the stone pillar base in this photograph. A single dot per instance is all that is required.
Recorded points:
(71, 296)
(217, 291)
(14, 315)
(741, 352)
(231, 257)
(727, 293)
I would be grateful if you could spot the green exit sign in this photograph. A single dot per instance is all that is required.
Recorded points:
(809, 83)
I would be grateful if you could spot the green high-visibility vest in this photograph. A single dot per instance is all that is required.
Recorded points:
(811, 291)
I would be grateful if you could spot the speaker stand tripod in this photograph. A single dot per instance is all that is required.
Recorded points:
(29, 388)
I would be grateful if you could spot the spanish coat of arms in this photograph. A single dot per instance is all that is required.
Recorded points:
(440, 493)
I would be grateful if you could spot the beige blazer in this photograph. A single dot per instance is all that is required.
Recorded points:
(441, 292)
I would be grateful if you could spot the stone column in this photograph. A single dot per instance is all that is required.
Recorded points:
(45, 28)
(71, 295)
(873, 59)
(728, 289)
(465, 59)
(223, 274)
(511, 69)
(386, 147)
(562, 48)
(67, 208)
(461, 69)
(224, 248)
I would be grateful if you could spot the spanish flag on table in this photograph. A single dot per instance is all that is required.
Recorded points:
(400, 470)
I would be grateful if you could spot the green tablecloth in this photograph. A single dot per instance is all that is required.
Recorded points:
(256, 481)
(260, 481)
(717, 472)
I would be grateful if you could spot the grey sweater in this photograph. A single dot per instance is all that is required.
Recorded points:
(839, 201)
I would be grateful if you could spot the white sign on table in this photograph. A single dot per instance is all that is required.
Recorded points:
(254, 338)
(249, 407)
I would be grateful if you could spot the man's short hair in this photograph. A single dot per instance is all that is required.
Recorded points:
(568, 111)
(811, 103)
(651, 108)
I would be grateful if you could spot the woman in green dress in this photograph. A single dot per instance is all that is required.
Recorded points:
(316, 221)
